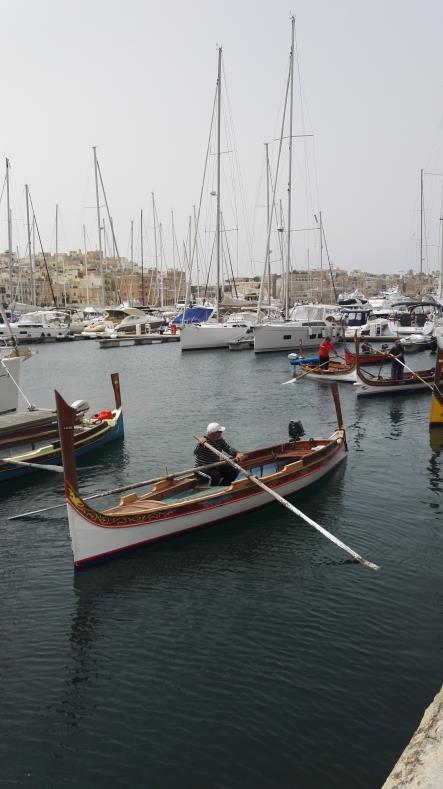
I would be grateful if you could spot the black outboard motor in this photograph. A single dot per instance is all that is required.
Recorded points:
(295, 430)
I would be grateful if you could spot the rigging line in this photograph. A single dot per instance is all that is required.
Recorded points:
(107, 209)
(229, 257)
(239, 172)
(41, 247)
(260, 297)
(203, 180)
(329, 262)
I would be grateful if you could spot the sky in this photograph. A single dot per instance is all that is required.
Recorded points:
(137, 79)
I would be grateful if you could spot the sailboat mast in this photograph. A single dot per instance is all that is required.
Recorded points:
(321, 258)
(8, 208)
(291, 106)
(102, 273)
(218, 181)
(132, 246)
(267, 221)
(86, 264)
(31, 267)
(421, 221)
(155, 250)
(141, 253)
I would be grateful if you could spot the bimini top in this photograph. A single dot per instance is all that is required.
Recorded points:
(193, 315)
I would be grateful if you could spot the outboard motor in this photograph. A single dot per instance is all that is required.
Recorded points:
(80, 407)
(295, 430)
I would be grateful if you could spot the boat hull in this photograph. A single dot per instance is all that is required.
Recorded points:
(96, 536)
(290, 336)
(195, 337)
(366, 386)
(50, 454)
(326, 376)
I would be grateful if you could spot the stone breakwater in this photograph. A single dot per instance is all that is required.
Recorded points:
(421, 763)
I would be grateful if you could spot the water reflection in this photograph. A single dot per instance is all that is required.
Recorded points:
(434, 466)
(396, 414)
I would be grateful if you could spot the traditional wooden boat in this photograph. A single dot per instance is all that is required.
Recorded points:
(29, 441)
(369, 384)
(176, 505)
(370, 357)
(436, 412)
(336, 371)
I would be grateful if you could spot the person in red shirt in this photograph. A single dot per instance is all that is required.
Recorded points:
(323, 352)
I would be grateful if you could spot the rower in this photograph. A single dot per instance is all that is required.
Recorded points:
(223, 475)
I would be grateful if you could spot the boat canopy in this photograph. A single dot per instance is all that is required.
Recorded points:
(193, 315)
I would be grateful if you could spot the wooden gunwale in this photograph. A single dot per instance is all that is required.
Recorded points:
(238, 490)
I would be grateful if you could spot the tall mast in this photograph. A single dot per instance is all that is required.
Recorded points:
(291, 105)
(132, 246)
(141, 254)
(155, 248)
(321, 258)
(218, 299)
(162, 285)
(31, 267)
(196, 250)
(102, 273)
(86, 263)
(8, 208)
(173, 256)
(267, 222)
(421, 221)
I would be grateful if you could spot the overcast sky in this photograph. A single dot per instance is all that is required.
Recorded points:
(137, 79)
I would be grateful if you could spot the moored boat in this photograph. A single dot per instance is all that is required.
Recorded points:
(336, 371)
(176, 505)
(436, 412)
(29, 441)
(368, 357)
(369, 384)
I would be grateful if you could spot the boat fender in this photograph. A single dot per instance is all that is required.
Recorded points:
(295, 430)
(102, 415)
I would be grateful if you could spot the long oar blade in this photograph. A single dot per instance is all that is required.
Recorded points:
(293, 509)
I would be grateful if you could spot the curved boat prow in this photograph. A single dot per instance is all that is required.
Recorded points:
(115, 379)
(66, 417)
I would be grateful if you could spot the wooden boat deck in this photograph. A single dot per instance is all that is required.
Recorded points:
(17, 421)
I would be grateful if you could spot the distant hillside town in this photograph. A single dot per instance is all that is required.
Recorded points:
(75, 278)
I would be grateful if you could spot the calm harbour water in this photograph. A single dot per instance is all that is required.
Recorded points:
(251, 654)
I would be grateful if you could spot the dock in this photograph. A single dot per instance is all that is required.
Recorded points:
(142, 339)
(421, 763)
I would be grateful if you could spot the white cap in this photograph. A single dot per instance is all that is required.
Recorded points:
(214, 427)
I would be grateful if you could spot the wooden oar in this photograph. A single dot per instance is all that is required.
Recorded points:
(39, 466)
(290, 506)
(121, 489)
(299, 377)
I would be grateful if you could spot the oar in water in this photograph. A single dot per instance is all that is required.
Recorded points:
(299, 377)
(121, 489)
(290, 506)
(38, 466)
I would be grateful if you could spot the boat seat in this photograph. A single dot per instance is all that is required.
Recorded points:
(134, 507)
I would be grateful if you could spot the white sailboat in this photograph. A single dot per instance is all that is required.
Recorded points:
(292, 332)
(215, 334)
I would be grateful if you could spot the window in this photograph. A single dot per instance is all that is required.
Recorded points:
(287, 336)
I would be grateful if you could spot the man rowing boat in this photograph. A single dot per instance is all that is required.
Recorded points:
(223, 475)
